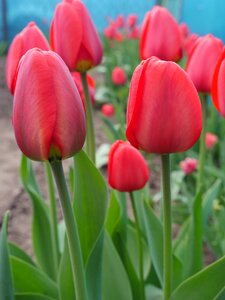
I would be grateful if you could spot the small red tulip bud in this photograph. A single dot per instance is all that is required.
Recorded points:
(127, 169)
(210, 140)
(108, 110)
(189, 165)
(119, 76)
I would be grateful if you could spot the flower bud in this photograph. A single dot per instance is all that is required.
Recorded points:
(210, 140)
(48, 115)
(189, 165)
(119, 76)
(108, 110)
(127, 169)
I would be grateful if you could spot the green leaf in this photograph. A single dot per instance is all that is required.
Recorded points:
(210, 196)
(154, 233)
(113, 215)
(115, 280)
(29, 279)
(14, 250)
(153, 293)
(206, 284)
(132, 249)
(65, 279)
(6, 285)
(32, 297)
(90, 205)
(41, 225)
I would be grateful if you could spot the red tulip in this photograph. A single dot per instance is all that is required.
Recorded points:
(202, 62)
(119, 76)
(28, 38)
(74, 37)
(132, 20)
(164, 111)
(210, 140)
(120, 21)
(108, 110)
(190, 43)
(48, 116)
(160, 36)
(189, 165)
(127, 169)
(218, 85)
(134, 33)
(91, 86)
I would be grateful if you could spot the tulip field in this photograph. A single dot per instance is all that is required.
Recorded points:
(113, 160)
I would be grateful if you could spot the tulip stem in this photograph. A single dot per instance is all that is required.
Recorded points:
(89, 119)
(71, 230)
(140, 248)
(167, 226)
(202, 152)
(53, 215)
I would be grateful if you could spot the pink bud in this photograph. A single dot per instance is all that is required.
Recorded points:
(119, 76)
(108, 110)
(210, 140)
(189, 165)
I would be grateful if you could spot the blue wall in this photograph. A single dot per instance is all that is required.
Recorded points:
(202, 16)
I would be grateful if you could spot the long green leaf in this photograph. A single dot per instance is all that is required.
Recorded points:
(6, 285)
(41, 226)
(29, 279)
(14, 250)
(65, 279)
(154, 233)
(90, 205)
(114, 215)
(115, 280)
(32, 297)
(206, 284)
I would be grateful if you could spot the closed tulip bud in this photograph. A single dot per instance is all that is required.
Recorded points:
(28, 38)
(160, 36)
(218, 85)
(74, 37)
(210, 140)
(164, 111)
(48, 115)
(202, 62)
(108, 110)
(132, 20)
(190, 43)
(127, 169)
(189, 165)
(119, 76)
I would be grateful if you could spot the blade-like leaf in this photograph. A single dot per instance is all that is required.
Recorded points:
(153, 293)
(206, 284)
(115, 280)
(14, 250)
(32, 297)
(90, 206)
(6, 285)
(113, 215)
(154, 233)
(65, 279)
(41, 226)
(28, 279)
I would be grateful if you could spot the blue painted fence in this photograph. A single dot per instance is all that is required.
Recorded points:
(202, 16)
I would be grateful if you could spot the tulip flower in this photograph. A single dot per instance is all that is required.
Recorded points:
(164, 111)
(160, 36)
(120, 21)
(218, 85)
(132, 20)
(190, 43)
(127, 169)
(74, 37)
(189, 165)
(48, 116)
(119, 76)
(28, 38)
(91, 86)
(210, 140)
(202, 62)
(108, 110)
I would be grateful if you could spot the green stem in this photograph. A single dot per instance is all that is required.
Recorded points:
(71, 230)
(202, 152)
(167, 226)
(140, 247)
(53, 215)
(89, 119)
